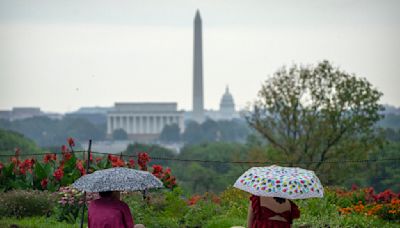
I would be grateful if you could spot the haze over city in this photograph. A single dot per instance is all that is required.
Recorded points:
(62, 55)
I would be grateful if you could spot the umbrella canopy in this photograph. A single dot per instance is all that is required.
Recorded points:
(117, 179)
(277, 181)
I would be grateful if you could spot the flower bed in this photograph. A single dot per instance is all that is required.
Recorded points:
(385, 205)
(57, 170)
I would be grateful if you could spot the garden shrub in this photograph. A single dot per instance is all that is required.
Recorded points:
(25, 203)
(199, 213)
(235, 203)
(70, 202)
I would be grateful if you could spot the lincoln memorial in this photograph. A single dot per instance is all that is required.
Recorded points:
(143, 121)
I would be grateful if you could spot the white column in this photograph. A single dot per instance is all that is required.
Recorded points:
(147, 124)
(108, 125)
(154, 124)
(158, 122)
(150, 124)
(136, 126)
(140, 124)
(116, 125)
(130, 124)
(163, 121)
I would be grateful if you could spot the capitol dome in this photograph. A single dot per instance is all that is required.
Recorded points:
(227, 105)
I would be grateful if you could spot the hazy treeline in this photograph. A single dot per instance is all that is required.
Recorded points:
(49, 132)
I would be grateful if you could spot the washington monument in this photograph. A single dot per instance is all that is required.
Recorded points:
(198, 103)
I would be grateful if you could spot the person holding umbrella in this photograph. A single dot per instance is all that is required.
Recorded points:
(109, 210)
(271, 188)
(271, 212)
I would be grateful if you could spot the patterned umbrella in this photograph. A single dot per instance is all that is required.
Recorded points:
(277, 181)
(117, 179)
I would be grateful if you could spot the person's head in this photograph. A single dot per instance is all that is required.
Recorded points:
(279, 200)
(110, 194)
(105, 194)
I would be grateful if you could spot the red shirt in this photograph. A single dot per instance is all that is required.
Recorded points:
(262, 214)
(109, 213)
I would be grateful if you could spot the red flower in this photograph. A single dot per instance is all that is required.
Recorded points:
(116, 161)
(67, 156)
(80, 167)
(64, 149)
(22, 170)
(157, 171)
(26, 166)
(194, 199)
(44, 182)
(15, 161)
(131, 163)
(143, 158)
(1, 166)
(58, 174)
(71, 142)
(47, 158)
(98, 159)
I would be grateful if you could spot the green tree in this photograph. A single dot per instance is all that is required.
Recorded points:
(170, 133)
(317, 114)
(9, 140)
(120, 134)
(386, 174)
(193, 133)
(210, 176)
(154, 151)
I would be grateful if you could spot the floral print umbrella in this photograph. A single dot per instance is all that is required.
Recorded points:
(277, 181)
(117, 179)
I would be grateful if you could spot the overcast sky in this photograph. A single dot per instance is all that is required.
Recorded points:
(62, 55)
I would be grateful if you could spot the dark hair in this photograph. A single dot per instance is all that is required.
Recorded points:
(279, 200)
(105, 194)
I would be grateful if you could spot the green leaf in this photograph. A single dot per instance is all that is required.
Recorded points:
(40, 171)
(69, 166)
(48, 168)
(29, 179)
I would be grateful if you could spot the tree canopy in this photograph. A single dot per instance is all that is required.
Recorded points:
(10, 140)
(119, 134)
(317, 114)
(170, 133)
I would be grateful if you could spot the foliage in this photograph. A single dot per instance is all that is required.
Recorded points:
(10, 140)
(213, 131)
(49, 132)
(209, 176)
(70, 202)
(37, 222)
(19, 203)
(152, 150)
(385, 175)
(390, 121)
(170, 133)
(317, 114)
(165, 208)
(55, 172)
(119, 134)
(391, 134)
(385, 205)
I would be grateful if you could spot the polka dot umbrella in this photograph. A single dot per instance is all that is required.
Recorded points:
(278, 181)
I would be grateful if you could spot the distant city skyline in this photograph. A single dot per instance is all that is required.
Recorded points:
(63, 55)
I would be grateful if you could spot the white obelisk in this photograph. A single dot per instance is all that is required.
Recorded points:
(198, 103)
